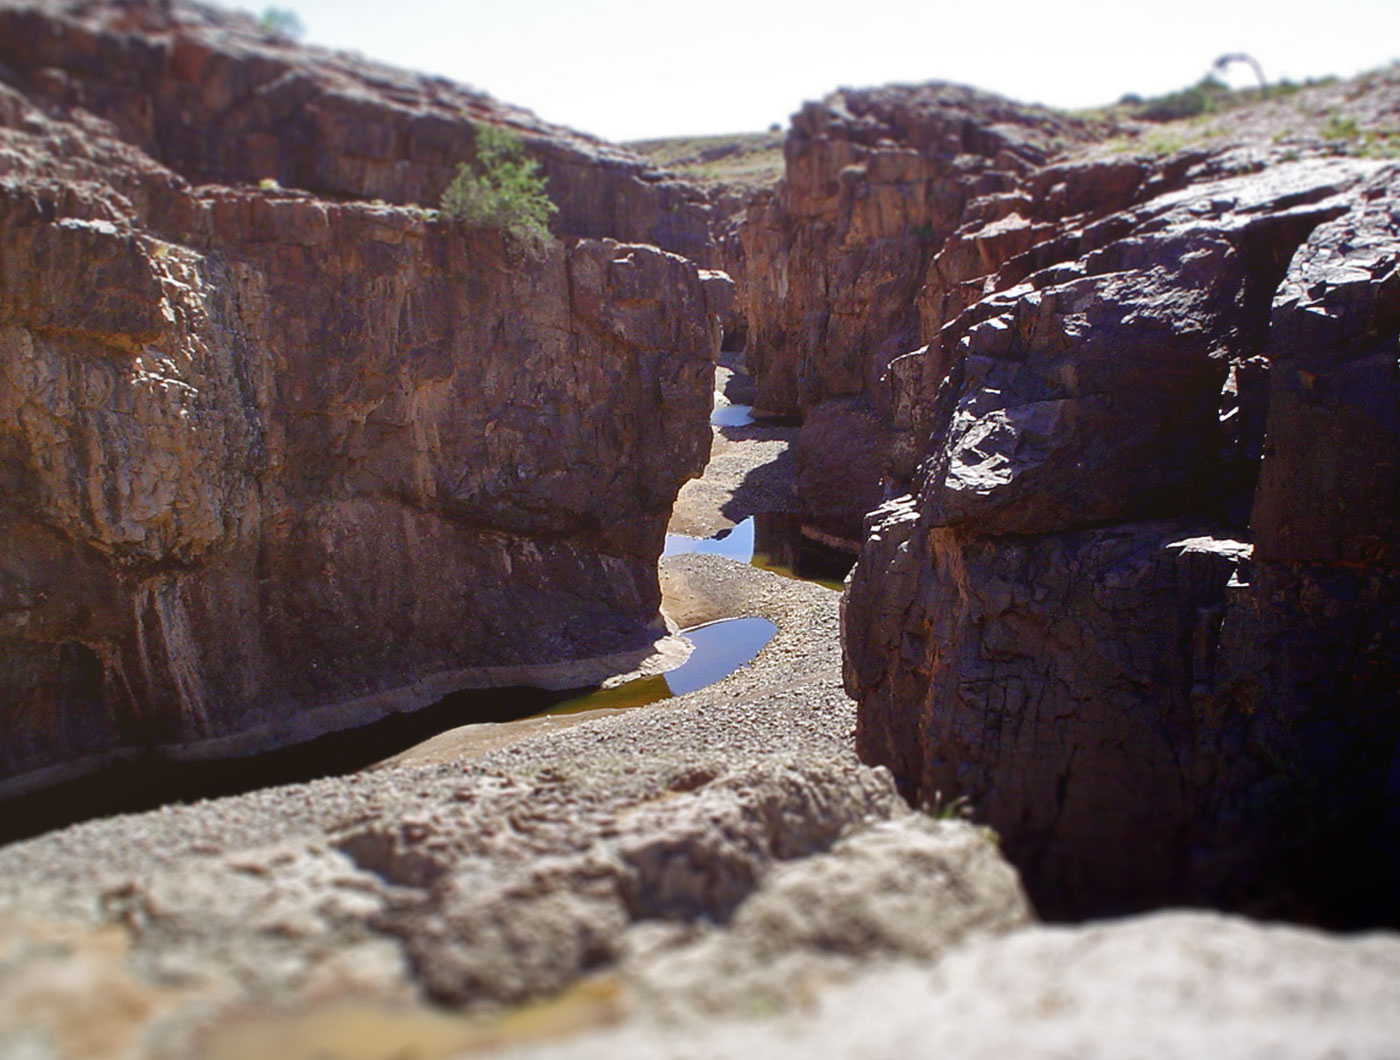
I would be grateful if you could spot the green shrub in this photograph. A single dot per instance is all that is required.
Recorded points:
(281, 22)
(1205, 97)
(502, 188)
(1340, 127)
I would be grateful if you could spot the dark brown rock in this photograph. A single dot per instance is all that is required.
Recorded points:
(840, 459)
(1329, 487)
(1060, 619)
(1309, 659)
(875, 181)
(210, 95)
(275, 464)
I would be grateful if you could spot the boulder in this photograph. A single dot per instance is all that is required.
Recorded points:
(835, 257)
(875, 181)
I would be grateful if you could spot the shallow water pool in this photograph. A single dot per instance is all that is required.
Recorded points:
(720, 648)
(732, 416)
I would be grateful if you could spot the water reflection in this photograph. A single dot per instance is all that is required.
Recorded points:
(732, 416)
(720, 648)
(151, 781)
(775, 541)
(736, 543)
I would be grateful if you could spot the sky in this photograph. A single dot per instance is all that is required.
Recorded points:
(635, 69)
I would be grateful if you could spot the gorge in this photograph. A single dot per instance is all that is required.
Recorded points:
(1106, 413)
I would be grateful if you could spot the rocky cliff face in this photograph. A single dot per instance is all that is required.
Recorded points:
(875, 182)
(212, 97)
(273, 463)
(1135, 595)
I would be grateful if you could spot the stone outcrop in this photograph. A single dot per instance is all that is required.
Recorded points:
(214, 98)
(718, 854)
(1174, 985)
(1157, 682)
(731, 171)
(835, 256)
(273, 463)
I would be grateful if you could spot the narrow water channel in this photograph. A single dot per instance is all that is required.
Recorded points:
(776, 541)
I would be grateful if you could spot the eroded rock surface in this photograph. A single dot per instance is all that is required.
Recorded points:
(1175, 985)
(724, 853)
(274, 463)
(216, 99)
(1157, 683)
(875, 181)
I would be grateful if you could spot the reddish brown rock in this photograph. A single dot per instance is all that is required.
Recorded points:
(1059, 618)
(875, 180)
(834, 258)
(274, 464)
(214, 98)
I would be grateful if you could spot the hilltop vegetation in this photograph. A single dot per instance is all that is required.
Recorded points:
(751, 159)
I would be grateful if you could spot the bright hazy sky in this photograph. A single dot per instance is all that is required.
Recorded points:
(630, 69)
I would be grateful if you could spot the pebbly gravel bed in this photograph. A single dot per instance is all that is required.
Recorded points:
(486, 880)
(788, 699)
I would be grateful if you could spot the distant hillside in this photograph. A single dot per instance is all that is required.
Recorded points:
(752, 159)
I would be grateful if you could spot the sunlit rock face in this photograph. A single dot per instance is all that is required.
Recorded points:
(1135, 594)
(273, 463)
(218, 100)
(835, 258)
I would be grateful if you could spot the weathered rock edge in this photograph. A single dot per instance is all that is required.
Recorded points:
(700, 854)
(1173, 986)
(218, 99)
(1158, 682)
(274, 464)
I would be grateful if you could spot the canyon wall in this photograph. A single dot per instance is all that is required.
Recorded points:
(1134, 591)
(274, 462)
(875, 181)
(211, 96)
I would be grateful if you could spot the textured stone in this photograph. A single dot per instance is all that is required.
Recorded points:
(911, 888)
(875, 180)
(478, 886)
(1156, 683)
(333, 124)
(275, 465)
(1175, 985)
(840, 457)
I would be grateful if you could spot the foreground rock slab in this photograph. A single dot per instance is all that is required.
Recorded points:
(1171, 985)
(722, 850)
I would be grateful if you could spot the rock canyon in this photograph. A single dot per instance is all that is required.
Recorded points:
(1105, 411)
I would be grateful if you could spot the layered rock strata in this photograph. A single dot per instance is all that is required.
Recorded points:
(274, 464)
(875, 182)
(1158, 682)
(215, 98)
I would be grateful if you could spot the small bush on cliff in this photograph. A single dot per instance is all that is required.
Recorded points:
(281, 22)
(502, 188)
